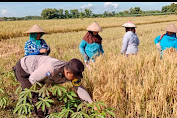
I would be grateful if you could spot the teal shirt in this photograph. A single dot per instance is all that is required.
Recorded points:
(92, 50)
(167, 41)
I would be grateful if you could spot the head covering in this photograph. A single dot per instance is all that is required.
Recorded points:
(129, 24)
(33, 37)
(76, 67)
(170, 28)
(35, 29)
(94, 27)
(90, 38)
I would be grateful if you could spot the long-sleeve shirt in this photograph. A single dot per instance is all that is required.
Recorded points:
(167, 41)
(130, 43)
(48, 70)
(92, 50)
(32, 49)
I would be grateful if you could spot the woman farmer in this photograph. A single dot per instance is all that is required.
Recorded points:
(35, 45)
(167, 40)
(130, 39)
(91, 44)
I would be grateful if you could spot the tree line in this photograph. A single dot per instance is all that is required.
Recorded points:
(53, 13)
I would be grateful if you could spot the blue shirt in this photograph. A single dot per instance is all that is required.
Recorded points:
(167, 41)
(32, 49)
(92, 50)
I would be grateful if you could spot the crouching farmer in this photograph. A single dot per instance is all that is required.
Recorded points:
(48, 70)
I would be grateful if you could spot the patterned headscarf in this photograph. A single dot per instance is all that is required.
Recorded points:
(90, 38)
(33, 37)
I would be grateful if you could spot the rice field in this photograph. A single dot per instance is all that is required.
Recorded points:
(138, 86)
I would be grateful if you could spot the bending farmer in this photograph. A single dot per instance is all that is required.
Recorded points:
(48, 70)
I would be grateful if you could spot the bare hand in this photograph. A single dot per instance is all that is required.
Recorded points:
(43, 50)
(158, 46)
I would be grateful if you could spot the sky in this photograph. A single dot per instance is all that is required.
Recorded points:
(22, 9)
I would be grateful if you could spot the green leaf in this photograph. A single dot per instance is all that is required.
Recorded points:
(50, 100)
(80, 106)
(74, 115)
(84, 114)
(1, 90)
(65, 99)
(22, 116)
(25, 109)
(101, 103)
(47, 104)
(111, 113)
(75, 105)
(16, 109)
(38, 104)
(54, 91)
(63, 89)
(20, 101)
(73, 94)
(103, 113)
(18, 89)
(20, 110)
(70, 97)
(58, 92)
(96, 115)
(43, 107)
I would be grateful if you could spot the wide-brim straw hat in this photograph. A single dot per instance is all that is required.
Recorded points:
(35, 29)
(94, 27)
(129, 24)
(170, 28)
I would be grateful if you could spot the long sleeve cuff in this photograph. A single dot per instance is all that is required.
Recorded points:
(83, 94)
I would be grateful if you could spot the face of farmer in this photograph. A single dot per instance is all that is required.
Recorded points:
(38, 36)
(68, 74)
(169, 33)
(95, 33)
(130, 29)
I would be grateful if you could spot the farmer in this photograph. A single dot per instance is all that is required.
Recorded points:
(50, 71)
(91, 44)
(35, 45)
(167, 40)
(130, 39)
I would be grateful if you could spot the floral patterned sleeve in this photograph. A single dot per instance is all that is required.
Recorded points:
(30, 49)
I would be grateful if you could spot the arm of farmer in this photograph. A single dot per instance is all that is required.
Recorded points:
(124, 44)
(138, 41)
(101, 48)
(82, 92)
(28, 50)
(44, 44)
(82, 49)
(157, 42)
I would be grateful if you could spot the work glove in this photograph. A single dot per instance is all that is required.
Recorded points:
(158, 47)
(86, 57)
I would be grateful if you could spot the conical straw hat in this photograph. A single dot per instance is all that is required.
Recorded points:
(94, 27)
(129, 24)
(171, 28)
(35, 29)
